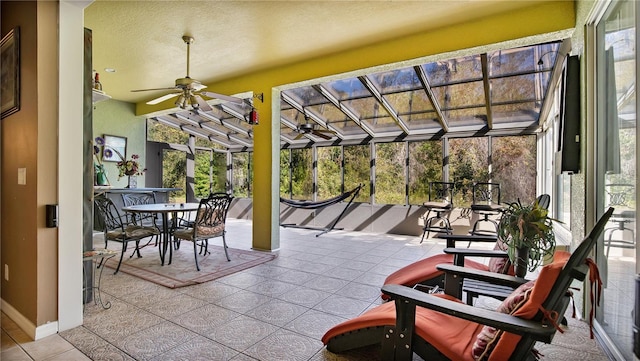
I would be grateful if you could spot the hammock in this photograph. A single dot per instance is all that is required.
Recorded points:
(315, 205)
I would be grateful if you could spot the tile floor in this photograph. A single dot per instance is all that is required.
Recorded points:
(274, 311)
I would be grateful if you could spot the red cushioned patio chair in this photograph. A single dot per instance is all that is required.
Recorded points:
(440, 327)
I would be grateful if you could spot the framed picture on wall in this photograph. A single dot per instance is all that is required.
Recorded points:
(118, 147)
(10, 72)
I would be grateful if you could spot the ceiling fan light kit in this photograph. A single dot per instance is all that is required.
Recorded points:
(188, 90)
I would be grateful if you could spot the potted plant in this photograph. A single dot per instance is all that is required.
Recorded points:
(527, 231)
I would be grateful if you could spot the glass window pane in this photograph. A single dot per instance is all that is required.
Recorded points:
(390, 175)
(210, 173)
(513, 89)
(242, 174)
(357, 171)
(329, 172)
(158, 132)
(396, 80)
(285, 172)
(516, 112)
(174, 173)
(460, 95)
(467, 117)
(514, 167)
(468, 163)
(346, 89)
(425, 165)
(370, 110)
(302, 174)
(306, 95)
(454, 70)
(617, 160)
(337, 119)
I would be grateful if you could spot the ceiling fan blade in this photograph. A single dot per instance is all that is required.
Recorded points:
(163, 98)
(204, 106)
(145, 90)
(299, 136)
(321, 135)
(226, 98)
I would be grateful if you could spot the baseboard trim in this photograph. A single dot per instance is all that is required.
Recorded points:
(35, 333)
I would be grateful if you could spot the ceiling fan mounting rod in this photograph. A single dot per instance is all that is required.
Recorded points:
(188, 40)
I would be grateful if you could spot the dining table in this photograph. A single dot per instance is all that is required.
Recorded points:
(164, 210)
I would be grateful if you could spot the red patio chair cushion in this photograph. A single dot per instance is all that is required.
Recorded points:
(524, 302)
(453, 340)
(424, 270)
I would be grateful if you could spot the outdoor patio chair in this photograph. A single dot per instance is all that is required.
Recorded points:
(619, 196)
(440, 327)
(118, 227)
(209, 223)
(486, 202)
(440, 201)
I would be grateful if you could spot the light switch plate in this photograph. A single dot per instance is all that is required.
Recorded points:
(22, 176)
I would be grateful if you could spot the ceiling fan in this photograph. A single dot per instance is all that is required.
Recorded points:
(308, 128)
(189, 90)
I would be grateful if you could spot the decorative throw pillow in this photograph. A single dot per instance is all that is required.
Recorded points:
(499, 264)
(485, 340)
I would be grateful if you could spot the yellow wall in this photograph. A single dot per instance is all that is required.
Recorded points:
(29, 140)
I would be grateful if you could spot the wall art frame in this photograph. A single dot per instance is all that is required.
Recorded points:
(10, 73)
(118, 147)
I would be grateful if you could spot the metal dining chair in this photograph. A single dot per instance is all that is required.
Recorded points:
(209, 223)
(119, 228)
(142, 219)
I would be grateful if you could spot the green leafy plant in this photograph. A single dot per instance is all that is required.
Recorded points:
(527, 226)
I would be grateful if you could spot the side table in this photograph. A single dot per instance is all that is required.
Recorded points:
(103, 254)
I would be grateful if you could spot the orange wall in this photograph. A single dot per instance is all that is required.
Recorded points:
(29, 140)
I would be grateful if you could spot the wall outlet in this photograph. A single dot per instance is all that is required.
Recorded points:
(6, 271)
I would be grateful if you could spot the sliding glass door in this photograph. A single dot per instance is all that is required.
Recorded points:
(616, 162)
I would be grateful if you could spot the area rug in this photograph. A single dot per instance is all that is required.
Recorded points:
(182, 270)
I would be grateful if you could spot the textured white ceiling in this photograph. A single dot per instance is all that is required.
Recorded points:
(142, 40)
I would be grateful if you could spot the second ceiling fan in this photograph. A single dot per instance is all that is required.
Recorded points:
(310, 128)
(189, 90)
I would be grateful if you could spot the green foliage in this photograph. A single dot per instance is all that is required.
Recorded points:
(390, 160)
(468, 164)
(329, 172)
(528, 226)
(425, 165)
(174, 170)
(357, 171)
(215, 181)
(285, 179)
(242, 174)
(514, 167)
(302, 173)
